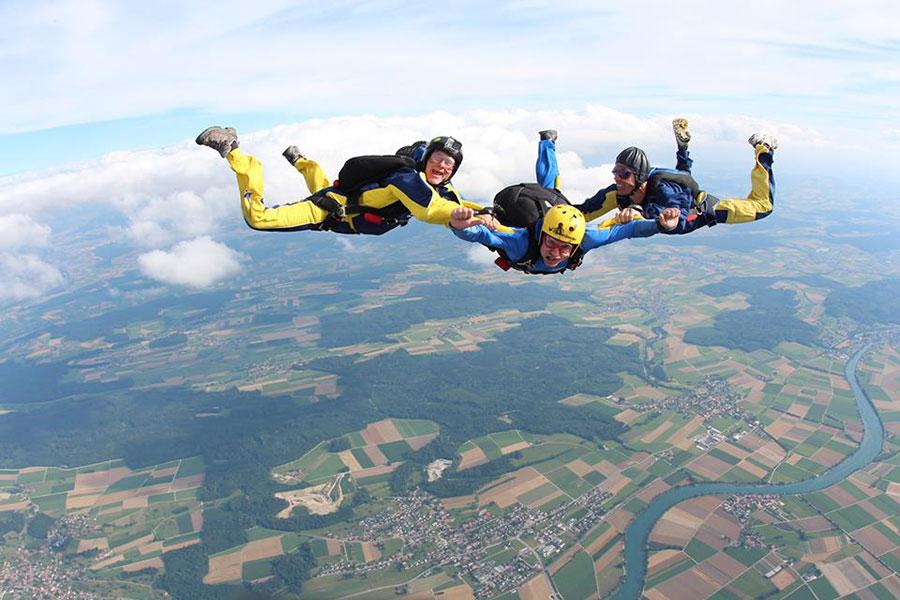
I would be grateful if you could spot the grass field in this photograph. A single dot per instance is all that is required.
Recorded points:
(575, 580)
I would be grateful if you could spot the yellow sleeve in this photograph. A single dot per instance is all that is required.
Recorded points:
(609, 203)
(419, 197)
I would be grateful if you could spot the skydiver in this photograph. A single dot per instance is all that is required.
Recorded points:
(559, 240)
(648, 191)
(406, 192)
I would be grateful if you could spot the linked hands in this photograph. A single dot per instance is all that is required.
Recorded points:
(668, 219)
(627, 215)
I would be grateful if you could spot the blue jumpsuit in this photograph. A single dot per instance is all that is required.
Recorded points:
(516, 242)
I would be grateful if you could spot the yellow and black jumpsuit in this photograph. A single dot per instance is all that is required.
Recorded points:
(402, 194)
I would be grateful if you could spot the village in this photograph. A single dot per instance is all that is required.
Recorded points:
(41, 574)
(498, 552)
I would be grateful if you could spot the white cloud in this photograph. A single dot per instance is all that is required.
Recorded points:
(17, 230)
(26, 276)
(178, 215)
(481, 256)
(197, 263)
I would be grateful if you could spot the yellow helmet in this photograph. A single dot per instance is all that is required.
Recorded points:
(565, 223)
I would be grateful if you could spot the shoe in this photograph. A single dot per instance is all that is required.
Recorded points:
(292, 154)
(548, 134)
(682, 133)
(221, 139)
(415, 151)
(763, 138)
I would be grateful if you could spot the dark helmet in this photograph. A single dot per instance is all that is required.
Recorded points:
(450, 145)
(635, 159)
(414, 151)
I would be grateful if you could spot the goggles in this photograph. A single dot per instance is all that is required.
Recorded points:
(443, 159)
(554, 244)
(622, 172)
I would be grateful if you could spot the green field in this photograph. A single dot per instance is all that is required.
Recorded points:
(409, 428)
(699, 551)
(746, 556)
(190, 466)
(334, 586)
(682, 565)
(332, 465)
(754, 584)
(569, 482)
(395, 451)
(506, 438)
(362, 458)
(256, 569)
(851, 518)
(575, 580)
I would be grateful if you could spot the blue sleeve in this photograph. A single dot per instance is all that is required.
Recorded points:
(514, 243)
(546, 169)
(595, 237)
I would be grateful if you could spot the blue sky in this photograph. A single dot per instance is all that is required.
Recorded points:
(88, 77)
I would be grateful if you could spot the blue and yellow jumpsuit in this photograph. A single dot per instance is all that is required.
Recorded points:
(402, 194)
(758, 204)
(515, 243)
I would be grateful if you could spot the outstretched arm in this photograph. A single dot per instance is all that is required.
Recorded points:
(409, 187)
(610, 232)
(465, 225)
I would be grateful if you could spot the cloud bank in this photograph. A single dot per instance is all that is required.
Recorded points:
(26, 276)
(18, 230)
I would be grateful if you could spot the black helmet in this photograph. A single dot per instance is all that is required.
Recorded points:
(450, 145)
(635, 159)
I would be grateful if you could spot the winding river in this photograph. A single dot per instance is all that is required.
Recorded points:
(638, 533)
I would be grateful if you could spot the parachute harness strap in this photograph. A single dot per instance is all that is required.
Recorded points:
(341, 213)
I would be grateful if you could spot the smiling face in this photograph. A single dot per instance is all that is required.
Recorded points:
(554, 251)
(439, 167)
(624, 178)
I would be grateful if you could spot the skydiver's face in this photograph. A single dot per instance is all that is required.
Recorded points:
(554, 251)
(624, 178)
(439, 167)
